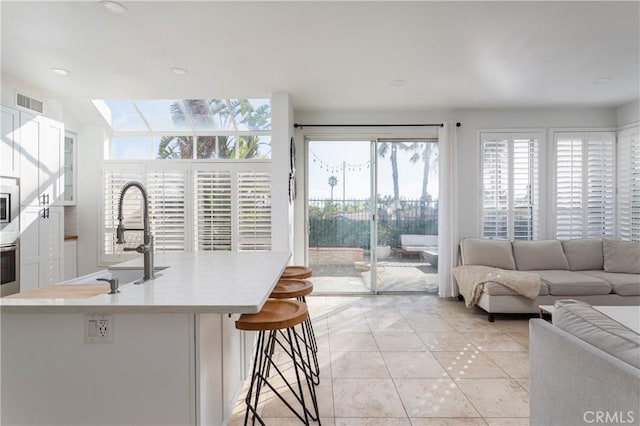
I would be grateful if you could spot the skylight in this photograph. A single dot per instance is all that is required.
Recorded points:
(189, 115)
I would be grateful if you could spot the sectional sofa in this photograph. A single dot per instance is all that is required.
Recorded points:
(584, 369)
(598, 271)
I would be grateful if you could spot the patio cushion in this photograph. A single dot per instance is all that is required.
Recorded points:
(494, 253)
(584, 254)
(623, 284)
(539, 255)
(495, 289)
(568, 283)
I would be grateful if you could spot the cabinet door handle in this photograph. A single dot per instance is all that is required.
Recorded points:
(47, 212)
(41, 199)
(47, 199)
(43, 214)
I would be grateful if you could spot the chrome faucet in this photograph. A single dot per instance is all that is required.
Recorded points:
(146, 247)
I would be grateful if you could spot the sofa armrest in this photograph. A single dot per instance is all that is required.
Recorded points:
(593, 381)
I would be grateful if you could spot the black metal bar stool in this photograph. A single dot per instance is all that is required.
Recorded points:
(275, 324)
(298, 289)
(298, 272)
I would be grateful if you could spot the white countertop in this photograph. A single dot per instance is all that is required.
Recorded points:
(199, 282)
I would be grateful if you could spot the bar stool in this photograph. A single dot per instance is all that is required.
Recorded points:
(298, 289)
(275, 324)
(296, 272)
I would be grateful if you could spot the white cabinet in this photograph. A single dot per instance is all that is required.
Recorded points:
(41, 246)
(70, 259)
(232, 360)
(9, 147)
(69, 169)
(41, 143)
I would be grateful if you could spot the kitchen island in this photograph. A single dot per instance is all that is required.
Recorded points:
(170, 354)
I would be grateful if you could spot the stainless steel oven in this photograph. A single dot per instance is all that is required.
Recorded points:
(9, 236)
(9, 283)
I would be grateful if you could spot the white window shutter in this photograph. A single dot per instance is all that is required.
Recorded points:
(115, 176)
(167, 208)
(628, 211)
(495, 186)
(212, 194)
(511, 185)
(585, 185)
(569, 188)
(254, 210)
(600, 185)
(526, 188)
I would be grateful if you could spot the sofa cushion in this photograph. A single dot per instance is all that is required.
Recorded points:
(623, 284)
(496, 289)
(568, 283)
(597, 329)
(621, 256)
(494, 253)
(584, 254)
(539, 255)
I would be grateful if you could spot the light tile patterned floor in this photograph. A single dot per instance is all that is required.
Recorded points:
(413, 360)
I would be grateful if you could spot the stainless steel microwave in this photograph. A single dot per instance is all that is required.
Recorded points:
(9, 204)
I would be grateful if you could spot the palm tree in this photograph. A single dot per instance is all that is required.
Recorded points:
(333, 181)
(215, 114)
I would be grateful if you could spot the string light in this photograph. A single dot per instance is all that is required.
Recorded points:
(339, 168)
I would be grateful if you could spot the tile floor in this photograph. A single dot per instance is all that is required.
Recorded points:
(413, 360)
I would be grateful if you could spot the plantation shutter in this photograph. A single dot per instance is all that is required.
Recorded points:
(115, 175)
(569, 191)
(511, 185)
(167, 193)
(600, 203)
(212, 194)
(629, 184)
(495, 186)
(585, 191)
(254, 210)
(526, 188)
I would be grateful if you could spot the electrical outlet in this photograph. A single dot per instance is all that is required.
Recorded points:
(98, 328)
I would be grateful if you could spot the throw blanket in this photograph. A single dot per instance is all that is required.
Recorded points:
(471, 280)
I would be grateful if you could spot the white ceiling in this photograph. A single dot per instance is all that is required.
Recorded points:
(332, 55)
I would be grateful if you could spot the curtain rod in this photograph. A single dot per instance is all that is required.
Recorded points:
(297, 125)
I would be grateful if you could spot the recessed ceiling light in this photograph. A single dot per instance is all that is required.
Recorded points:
(398, 82)
(602, 80)
(113, 7)
(60, 71)
(179, 71)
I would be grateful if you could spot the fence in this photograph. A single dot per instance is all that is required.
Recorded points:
(346, 223)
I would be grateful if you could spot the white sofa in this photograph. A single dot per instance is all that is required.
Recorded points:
(597, 271)
(584, 369)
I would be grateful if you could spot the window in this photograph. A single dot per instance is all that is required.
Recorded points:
(510, 185)
(584, 184)
(193, 206)
(214, 194)
(188, 129)
(629, 184)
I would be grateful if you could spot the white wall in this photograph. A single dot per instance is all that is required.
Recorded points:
(91, 145)
(628, 113)
(281, 132)
(467, 197)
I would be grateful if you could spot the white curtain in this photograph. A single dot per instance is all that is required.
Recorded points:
(447, 213)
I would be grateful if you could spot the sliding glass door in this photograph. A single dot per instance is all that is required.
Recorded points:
(407, 215)
(361, 243)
